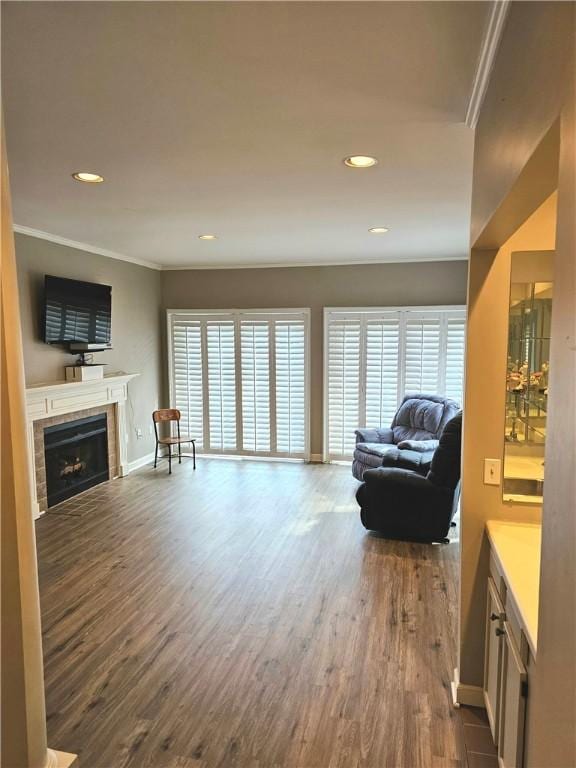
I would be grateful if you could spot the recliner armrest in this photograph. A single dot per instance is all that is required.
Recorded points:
(403, 459)
(421, 446)
(374, 435)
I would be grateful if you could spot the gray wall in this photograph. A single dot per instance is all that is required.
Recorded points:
(136, 324)
(316, 287)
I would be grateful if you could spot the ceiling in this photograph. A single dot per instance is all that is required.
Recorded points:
(233, 118)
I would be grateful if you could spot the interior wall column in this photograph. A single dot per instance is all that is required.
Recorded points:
(23, 716)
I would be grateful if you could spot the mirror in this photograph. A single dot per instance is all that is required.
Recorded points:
(527, 375)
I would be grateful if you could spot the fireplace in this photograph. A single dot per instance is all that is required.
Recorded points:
(76, 456)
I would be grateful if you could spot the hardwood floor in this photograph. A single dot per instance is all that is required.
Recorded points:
(240, 615)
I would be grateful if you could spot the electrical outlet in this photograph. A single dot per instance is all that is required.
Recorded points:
(139, 434)
(492, 471)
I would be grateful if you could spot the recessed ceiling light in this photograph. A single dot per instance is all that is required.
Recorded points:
(89, 178)
(378, 230)
(207, 237)
(360, 161)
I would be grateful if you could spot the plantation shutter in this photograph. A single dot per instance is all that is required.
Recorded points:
(255, 385)
(187, 377)
(376, 356)
(455, 348)
(422, 356)
(240, 380)
(343, 408)
(290, 363)
(221, 352)
(382, 358)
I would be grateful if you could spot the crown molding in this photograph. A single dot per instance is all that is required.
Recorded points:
(83, 246)
(488, 51)
(293, 264)
(249, 265)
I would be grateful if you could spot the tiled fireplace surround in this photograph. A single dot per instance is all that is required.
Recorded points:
(62, 402)
(39, 426)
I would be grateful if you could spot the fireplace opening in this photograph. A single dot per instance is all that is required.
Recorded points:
(76, 457)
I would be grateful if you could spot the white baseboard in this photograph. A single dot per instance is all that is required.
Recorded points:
(141, 462)
(132, 466)
(469, 695)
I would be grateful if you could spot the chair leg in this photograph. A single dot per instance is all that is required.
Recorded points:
(179, 453)
(193, 455)
(156, 455)
(169, 459)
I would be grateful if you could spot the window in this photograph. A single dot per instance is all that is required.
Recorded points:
(374, 356)
(240, 380)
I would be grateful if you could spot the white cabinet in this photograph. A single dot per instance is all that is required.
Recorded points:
(505, 680)
(493, 658)
(512, 703)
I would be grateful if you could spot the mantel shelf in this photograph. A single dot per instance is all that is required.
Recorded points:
(118, 377)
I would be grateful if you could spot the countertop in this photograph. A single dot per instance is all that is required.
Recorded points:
(516, 547)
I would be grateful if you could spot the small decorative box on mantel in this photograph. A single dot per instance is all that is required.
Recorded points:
(84, 372)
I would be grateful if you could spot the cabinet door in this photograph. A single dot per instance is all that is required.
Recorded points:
(493, 658)
(512, 704)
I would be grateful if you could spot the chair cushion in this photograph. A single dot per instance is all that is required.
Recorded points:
(417, 420)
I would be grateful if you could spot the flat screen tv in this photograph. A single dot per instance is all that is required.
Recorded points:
(76, 313)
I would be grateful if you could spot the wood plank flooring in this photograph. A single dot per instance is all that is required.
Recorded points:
(240, 616)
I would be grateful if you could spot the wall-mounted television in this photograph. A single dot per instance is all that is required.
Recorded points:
(76, 313)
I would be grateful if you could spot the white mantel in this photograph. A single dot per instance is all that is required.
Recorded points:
(63, 397)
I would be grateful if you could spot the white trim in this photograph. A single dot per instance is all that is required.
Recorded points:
(56, 759)
(132, 466)
(488, 51)
(83, 246)
(292, 264)
(468, 695)
(325, 456)
(397, 308)
(240, 311)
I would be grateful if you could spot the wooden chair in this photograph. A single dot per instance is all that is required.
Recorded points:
(170, 415)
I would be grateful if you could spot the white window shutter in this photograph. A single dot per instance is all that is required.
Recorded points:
(422, 355)
(240, 380)
(376, 356)
(455, 350)
(291, 407)
(343, 378)
(255, 385)
(382, 359)
(220, 335)
(187, 377)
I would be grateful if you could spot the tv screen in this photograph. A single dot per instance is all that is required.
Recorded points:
(75, 311)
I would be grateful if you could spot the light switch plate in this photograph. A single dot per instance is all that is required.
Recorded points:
(492, 471)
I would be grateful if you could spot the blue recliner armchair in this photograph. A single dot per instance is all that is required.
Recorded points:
(410, 441)
(402, 504)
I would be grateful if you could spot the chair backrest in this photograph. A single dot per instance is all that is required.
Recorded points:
(445, 467)
(422, 417)
(166, 414)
